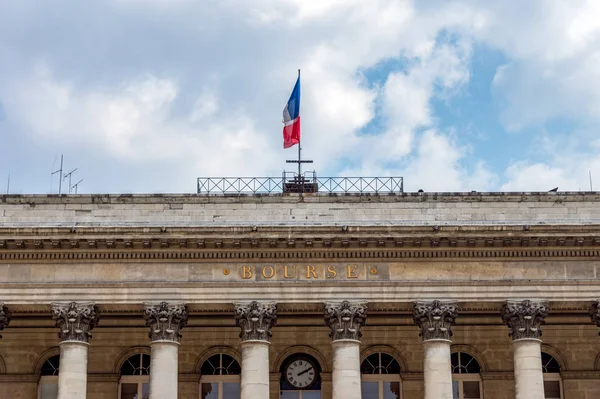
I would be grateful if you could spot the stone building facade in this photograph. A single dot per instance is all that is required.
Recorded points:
(435, 296)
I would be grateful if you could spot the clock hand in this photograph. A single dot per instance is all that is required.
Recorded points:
(305, 371)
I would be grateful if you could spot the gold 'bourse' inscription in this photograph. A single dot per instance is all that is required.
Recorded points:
(304, 272)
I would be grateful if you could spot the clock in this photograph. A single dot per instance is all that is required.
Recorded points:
(301, 373)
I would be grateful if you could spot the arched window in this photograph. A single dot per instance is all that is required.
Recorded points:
(135, 377)
(552, 380)
(380, 377)
(48, 385)
(466, 380)
(220, 377)
(300, 377)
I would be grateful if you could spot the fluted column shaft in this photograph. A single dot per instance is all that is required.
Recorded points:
(345, 319)
(255, 320)
(75, 322)
(165, 321)
(435, 319)
(523, 319)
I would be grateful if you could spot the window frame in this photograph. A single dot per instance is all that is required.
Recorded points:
(380, 377)
(46, 380)
(466, 377)
(553, 376)
(139, 379)
(219, 379)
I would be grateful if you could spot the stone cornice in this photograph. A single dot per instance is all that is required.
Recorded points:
(580, 375)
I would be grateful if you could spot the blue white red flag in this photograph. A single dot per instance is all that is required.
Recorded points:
(291, 118)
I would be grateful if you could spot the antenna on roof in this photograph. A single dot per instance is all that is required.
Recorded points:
(75, 186)
(69, 176)
(8, 185)
(590, 173)
(60, 176)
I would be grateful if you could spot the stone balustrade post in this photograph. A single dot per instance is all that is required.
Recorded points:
(435, 320)
(75, 321)
(255, 320)
(523, 319)
(5, 317)
(165, 321)
(345, 319)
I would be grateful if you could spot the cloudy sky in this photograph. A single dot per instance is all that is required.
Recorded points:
(147, 95)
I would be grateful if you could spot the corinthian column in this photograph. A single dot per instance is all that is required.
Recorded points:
(75, 321)
(4, 317)
(345, 319)
(255, 320)
(165, 321)
(435, 319)
(523, 319)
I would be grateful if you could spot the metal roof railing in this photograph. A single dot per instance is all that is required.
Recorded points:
(280, 185)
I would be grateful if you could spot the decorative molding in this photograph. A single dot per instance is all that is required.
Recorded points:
(497, 375)
(580, 375)
(345, 319)
(75, 320)
(524, 318)
(594, 313)
(435, 319)
(5, 317)
(255, 320)
(103, 377)
(165, 320)
(32, 378)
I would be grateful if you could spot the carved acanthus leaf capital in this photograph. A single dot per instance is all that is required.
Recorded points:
(595, 313)
(75, 320)
(4, 317)
(255, 320)
(523, 318)
(345, 319)
(435, 319)
(165, 320)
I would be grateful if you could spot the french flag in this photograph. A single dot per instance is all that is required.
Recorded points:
(291, 118)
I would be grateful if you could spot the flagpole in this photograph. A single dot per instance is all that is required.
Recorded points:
(299, 148)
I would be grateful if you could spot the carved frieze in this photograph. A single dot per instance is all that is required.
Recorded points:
(165, 320)
(255, 320)
(75, 320)
(435, 319)
(345, 319)
(523, 318)
(4, 317)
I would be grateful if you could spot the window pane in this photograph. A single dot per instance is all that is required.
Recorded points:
(552, 389)
(471, 390)
(49, 391)
(146, 390)
(311, 395)
(231, 390)
(391, 390)
(455, 390)
(210, 391)
(129, 391)
(290, 394)
(370, 390)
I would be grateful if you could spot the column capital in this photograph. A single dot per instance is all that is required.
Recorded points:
(523, 318)
(165, 320)
(4, 317)
(345, 319)
(75, 320)
(435, 318)
(255, 320)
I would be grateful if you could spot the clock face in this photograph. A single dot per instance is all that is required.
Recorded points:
(301, 373)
